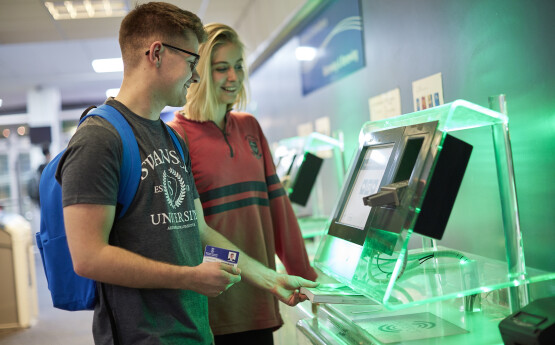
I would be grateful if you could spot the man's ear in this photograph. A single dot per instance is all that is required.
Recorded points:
(154, 55)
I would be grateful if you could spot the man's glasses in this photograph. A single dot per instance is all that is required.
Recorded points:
(193, 64)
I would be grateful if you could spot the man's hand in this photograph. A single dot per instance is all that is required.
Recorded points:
(286, 288)
(213, 278)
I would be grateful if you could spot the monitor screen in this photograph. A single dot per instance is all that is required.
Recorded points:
(284, 166)
(40, 135)
(373, 166)
(367, 181)
(303, 174)
(408, 160)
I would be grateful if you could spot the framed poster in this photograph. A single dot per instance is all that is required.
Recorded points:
(427, 92)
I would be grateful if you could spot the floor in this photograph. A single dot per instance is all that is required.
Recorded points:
(53, 326)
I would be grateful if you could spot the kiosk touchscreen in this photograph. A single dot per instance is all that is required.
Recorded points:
(403, 178)
(367, 181)
(284, 166)
(371, 169)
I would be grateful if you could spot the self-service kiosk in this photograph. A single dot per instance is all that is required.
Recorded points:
(385, 236)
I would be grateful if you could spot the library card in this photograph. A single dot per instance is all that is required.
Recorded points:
(226, 256)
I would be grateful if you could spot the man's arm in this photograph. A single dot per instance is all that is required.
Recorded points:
(88, 228)
(283, 286)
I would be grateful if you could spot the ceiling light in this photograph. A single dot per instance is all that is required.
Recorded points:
(305, 53)
(80, 9)
(70, 9)
(89, 8)
(107, 65)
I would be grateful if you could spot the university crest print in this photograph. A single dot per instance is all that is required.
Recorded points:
(254, 145)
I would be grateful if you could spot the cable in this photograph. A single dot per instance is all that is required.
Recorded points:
(416, 260)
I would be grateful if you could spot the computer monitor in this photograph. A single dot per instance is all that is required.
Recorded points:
(40, 135)
(367, 181)
(302, 176)
(402, 178)
(371, 169)
(284, 166)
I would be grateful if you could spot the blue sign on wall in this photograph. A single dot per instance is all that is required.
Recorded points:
(336, 35)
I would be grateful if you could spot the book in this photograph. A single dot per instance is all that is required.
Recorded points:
(335, 294)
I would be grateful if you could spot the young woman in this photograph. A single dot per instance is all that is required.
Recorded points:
(241, 194)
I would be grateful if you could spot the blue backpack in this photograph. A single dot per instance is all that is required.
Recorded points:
(70, 291)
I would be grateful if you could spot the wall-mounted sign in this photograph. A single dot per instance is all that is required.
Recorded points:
(335, 38)
(385, 105)
(323, 125)
(304, 129)
(427, 92)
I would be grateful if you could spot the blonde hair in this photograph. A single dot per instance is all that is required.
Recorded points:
(201, 98)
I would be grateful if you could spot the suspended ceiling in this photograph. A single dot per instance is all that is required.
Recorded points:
(37, 51)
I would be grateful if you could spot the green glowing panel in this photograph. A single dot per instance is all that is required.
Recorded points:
(433, 323)
(398, 261)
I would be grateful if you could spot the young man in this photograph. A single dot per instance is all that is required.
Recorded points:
(150, 260)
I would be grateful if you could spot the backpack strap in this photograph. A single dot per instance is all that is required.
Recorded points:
(176, 142)
(130, 172)
(130, 175)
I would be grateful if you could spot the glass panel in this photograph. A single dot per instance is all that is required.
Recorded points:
(390, 267)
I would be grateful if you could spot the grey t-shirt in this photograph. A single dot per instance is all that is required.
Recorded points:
(160, 224)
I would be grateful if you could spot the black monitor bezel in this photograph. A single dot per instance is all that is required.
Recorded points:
(40, 135)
